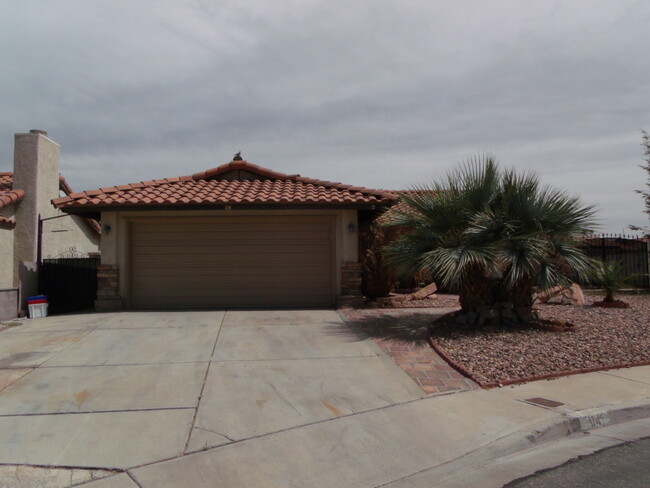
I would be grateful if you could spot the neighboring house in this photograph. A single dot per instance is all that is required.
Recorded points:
(236, 236)
(30, 227)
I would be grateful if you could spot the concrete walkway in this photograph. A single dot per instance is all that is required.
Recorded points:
(248, 399)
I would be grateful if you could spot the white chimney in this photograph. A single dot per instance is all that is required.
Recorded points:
(36, 172)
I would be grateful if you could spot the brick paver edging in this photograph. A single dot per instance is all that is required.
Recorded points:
(418, 359)
(514, 381)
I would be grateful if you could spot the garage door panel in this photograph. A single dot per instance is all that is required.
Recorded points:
(229, 237)
(226, 224)
(216, 230)
(173, 294)
(256, 248)
(247, 262)
(229, 278)
(156, 261)
(234, 302)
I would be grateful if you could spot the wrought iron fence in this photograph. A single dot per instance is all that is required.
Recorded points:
(69, 283)
(631, 252)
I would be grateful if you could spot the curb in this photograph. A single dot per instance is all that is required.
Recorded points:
(577, 422)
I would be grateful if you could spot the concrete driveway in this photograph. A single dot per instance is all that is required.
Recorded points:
(117, 391)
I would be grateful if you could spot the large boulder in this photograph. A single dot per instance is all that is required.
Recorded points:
(425, 292)
(569, 295)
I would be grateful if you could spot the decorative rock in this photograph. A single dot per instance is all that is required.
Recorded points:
(578, 296)
(569, 295)
(423, 293)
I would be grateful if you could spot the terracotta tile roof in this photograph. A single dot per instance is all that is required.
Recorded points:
(64, 186)
(6, 180)
(8, 196)
(67, 189)
(6, 223)
(400, 205)
(238, 182)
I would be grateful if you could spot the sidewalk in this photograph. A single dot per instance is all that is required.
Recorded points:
(434, 441)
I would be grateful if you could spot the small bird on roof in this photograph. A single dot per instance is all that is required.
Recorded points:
(237, 157)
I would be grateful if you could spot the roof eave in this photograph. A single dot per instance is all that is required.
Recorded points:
(6, 223)
(97, 209)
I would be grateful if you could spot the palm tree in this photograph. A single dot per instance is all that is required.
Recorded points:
(491, 235)
(613, 277)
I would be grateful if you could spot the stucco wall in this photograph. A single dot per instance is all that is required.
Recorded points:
(6, 258)
(114, 245)
(71, 232)
(7, 250)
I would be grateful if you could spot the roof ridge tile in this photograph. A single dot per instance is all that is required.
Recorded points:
(203, 188)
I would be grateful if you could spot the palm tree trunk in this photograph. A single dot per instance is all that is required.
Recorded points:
(475, 292)
(521, 297)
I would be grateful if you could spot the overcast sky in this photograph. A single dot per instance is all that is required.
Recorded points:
(383, 94)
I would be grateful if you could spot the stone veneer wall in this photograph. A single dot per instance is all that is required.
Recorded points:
(108, 288)
(350, 284)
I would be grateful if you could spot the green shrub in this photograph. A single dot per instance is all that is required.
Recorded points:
(613, 277)
(379, 278)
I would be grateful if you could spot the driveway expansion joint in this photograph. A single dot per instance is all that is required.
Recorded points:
(323, 421)
(338, 358)
(133, 478)
(65, 466)
(215, 432)
(18, 378)
(108, 365)
(90, 412)
(205, 379)
(66, 348)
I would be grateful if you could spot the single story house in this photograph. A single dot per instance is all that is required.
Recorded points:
(30, 227)
(235, 236)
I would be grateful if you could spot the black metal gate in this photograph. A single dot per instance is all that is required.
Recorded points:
(630, 252)
(69, 283)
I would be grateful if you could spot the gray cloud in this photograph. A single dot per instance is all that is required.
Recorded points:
(380, 93)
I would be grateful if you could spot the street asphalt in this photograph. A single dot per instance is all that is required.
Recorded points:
(624, 466)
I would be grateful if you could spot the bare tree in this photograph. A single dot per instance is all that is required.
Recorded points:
(645, 194)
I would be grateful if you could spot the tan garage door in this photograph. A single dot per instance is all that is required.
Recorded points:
(231, 262)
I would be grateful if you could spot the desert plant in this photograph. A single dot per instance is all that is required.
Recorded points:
(613, 277)
(491, 235)
(378, 277)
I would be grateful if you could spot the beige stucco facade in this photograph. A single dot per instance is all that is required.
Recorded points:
(68, 235)
(7, 251)
(36, 173)
(114, 245)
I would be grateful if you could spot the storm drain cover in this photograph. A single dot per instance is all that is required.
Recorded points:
(544, 402)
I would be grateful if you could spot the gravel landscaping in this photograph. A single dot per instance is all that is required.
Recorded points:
(604, 338)
(402, 301)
